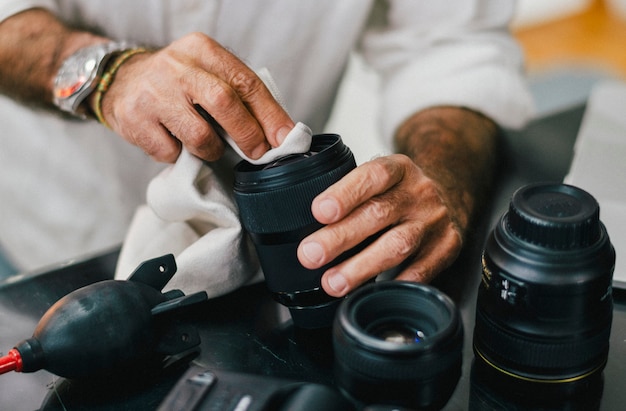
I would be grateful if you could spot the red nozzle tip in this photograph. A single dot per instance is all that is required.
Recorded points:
(11, 362)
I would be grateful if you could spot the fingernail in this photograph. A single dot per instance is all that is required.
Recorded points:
(313, 252)
(338, 283)
(329, 209)
(281, 135)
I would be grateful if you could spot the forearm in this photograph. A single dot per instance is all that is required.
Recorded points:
(456, 148)
(34, 44)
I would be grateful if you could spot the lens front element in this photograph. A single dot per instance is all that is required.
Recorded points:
(398, 343)
(397, 333)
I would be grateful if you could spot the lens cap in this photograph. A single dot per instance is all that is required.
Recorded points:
(556, 216)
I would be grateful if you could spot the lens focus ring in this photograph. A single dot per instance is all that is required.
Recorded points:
(287, 208)
(516, 352)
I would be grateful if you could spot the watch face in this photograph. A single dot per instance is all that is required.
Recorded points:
(78, 76)
(74, 78)
(77, 71)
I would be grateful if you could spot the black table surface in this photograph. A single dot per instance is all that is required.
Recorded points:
(247, 332)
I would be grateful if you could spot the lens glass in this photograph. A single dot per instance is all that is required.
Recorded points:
(399, 318)
(288, 159)
(399, 333)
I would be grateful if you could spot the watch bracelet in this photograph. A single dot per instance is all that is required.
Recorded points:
(107, 78)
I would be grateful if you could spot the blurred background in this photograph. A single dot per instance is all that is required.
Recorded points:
(569, 45)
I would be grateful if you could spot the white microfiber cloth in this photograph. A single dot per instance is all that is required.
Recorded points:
(297, 141)
(191, 213)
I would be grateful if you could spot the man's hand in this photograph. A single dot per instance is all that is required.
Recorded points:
(423, 199)
(152, 102)
(386, 192)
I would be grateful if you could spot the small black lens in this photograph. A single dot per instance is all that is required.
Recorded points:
(398, 343)
(544, 307)
(275, 209)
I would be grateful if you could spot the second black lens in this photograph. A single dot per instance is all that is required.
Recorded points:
(544, 307)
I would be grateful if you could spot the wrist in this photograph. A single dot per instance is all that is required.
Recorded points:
(111, 69)
(34, 45)
(80, 74)
(456, 148)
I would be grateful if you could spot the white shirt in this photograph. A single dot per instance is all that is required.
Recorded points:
(70, 187)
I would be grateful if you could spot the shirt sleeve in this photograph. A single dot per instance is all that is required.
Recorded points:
(11, 7)
(453, 52)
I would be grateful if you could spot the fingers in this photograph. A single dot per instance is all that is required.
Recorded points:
(188, 126)
(159, 130)
(234, 96)
(431, 246)
(158, 143)
(155, 95)
(389, 250)
(358, 206)
(433, 259)
(357, 187)
(226, 107)
(388, 195)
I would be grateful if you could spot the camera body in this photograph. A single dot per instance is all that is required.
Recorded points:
(200, 389)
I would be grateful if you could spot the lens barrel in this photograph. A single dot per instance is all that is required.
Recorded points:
(398, 343)
(544, 306)
(275, 209)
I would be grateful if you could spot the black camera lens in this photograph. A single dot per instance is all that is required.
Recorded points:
(544, 306)
(275, 209)
(398, 343)
(488, 392)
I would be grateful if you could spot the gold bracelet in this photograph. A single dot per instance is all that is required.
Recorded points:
(107, 79)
